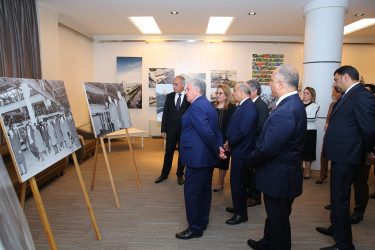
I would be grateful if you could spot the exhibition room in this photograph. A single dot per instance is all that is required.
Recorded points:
(119, 136)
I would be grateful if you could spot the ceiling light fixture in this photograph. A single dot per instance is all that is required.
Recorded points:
(252, 13)
(219, 25)
(145, 24)
(174, 12)
(361, 24)
(361, 14)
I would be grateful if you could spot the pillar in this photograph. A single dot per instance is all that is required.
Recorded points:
(324, 28)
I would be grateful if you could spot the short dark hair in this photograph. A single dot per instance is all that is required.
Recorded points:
(347, 69)
(254, 84)
(371, 87)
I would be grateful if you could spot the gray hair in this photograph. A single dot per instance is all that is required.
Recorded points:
(254, 84)
(244, 88)
(290, 75)
(199, 84)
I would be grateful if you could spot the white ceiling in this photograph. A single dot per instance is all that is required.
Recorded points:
(273, 18)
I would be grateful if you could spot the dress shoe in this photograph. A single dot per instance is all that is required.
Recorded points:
(218, 189)
(372, 196)
(257, 245)
(187, 234)
(180, 180)
(230, 210)
(251, 202)
(330, 248)
(306, 177)
(328, 207)
(324, 180)
(160, 179)
(236, 219)
(355, 219)
(325, 231)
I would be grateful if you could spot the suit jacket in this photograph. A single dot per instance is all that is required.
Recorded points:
(263, 114)
(351, 130)
(277, 156)
(171, 121)
(201, 136)
(241, 129)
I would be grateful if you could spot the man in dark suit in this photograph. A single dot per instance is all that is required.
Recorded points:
(254, 195)
(277, 159)
(240, 134)
(200, 148)
(174, 107)
(349, 136)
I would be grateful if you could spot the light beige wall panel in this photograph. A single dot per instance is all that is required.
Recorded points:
(362, 57)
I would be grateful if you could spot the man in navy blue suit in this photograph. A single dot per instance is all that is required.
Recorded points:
(241, 140)
(277, 159)
(200, 150)
(349, 137)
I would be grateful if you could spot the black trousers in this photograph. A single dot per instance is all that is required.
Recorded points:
(361, 190)
(341, 180)
(238, 184)
(277, 233)
(170, 146)
(252, 191)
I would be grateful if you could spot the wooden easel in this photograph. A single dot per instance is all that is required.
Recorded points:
(108, 166)
(42, 212)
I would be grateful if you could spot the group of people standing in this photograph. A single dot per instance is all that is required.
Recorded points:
(266, 150)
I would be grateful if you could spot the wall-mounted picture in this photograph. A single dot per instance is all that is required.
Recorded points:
(129, 72)
(108, 108)
(160, 76)
(162, 90)
(38, 123)
(264, 65)
(152, 101)
(190, 76)
(228, 77)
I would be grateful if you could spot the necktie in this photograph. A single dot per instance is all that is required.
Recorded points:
(178, 103)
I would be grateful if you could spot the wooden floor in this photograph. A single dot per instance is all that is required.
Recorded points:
(148, 218)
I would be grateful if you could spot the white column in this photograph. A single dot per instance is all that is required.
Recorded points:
(324, 30)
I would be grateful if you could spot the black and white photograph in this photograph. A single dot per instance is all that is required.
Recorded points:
(38, 123)
(267, 97)
(160, 76)
(129, 72)
(228, 77)
(107, 106)
(162, 90)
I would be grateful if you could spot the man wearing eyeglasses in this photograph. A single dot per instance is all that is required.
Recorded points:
(174, 107)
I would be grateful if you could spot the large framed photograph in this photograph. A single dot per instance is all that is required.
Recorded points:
(108, 107)
(228, 77)
(38, 123)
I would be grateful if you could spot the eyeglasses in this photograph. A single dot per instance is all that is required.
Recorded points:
(219, 93)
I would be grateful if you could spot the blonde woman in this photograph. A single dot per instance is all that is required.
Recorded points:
(225, 109)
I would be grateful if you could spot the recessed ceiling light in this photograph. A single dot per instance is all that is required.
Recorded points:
(145, 24)
(361, 14)
(219, 25)
(252, 13)
(174, 12)
(361, 24)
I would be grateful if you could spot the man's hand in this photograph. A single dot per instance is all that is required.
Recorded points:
(222, 153)
(372, 156)
(226, 147)
(164, 135)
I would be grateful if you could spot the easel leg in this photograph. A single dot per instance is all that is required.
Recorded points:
(42, 213)
(23, 194)
(96, 160)
(132, 153)
(86, 196)
(109, 171)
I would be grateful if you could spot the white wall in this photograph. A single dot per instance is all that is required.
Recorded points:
(185, 57)
(68, 57)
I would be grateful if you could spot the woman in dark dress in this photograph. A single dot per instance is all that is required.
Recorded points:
(225, 109)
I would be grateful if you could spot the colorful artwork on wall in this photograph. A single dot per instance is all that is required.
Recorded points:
(264, 65)
(160, 76)
(129, 72)
(228, 77)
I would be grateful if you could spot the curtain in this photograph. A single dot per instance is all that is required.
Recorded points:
(19, 39)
